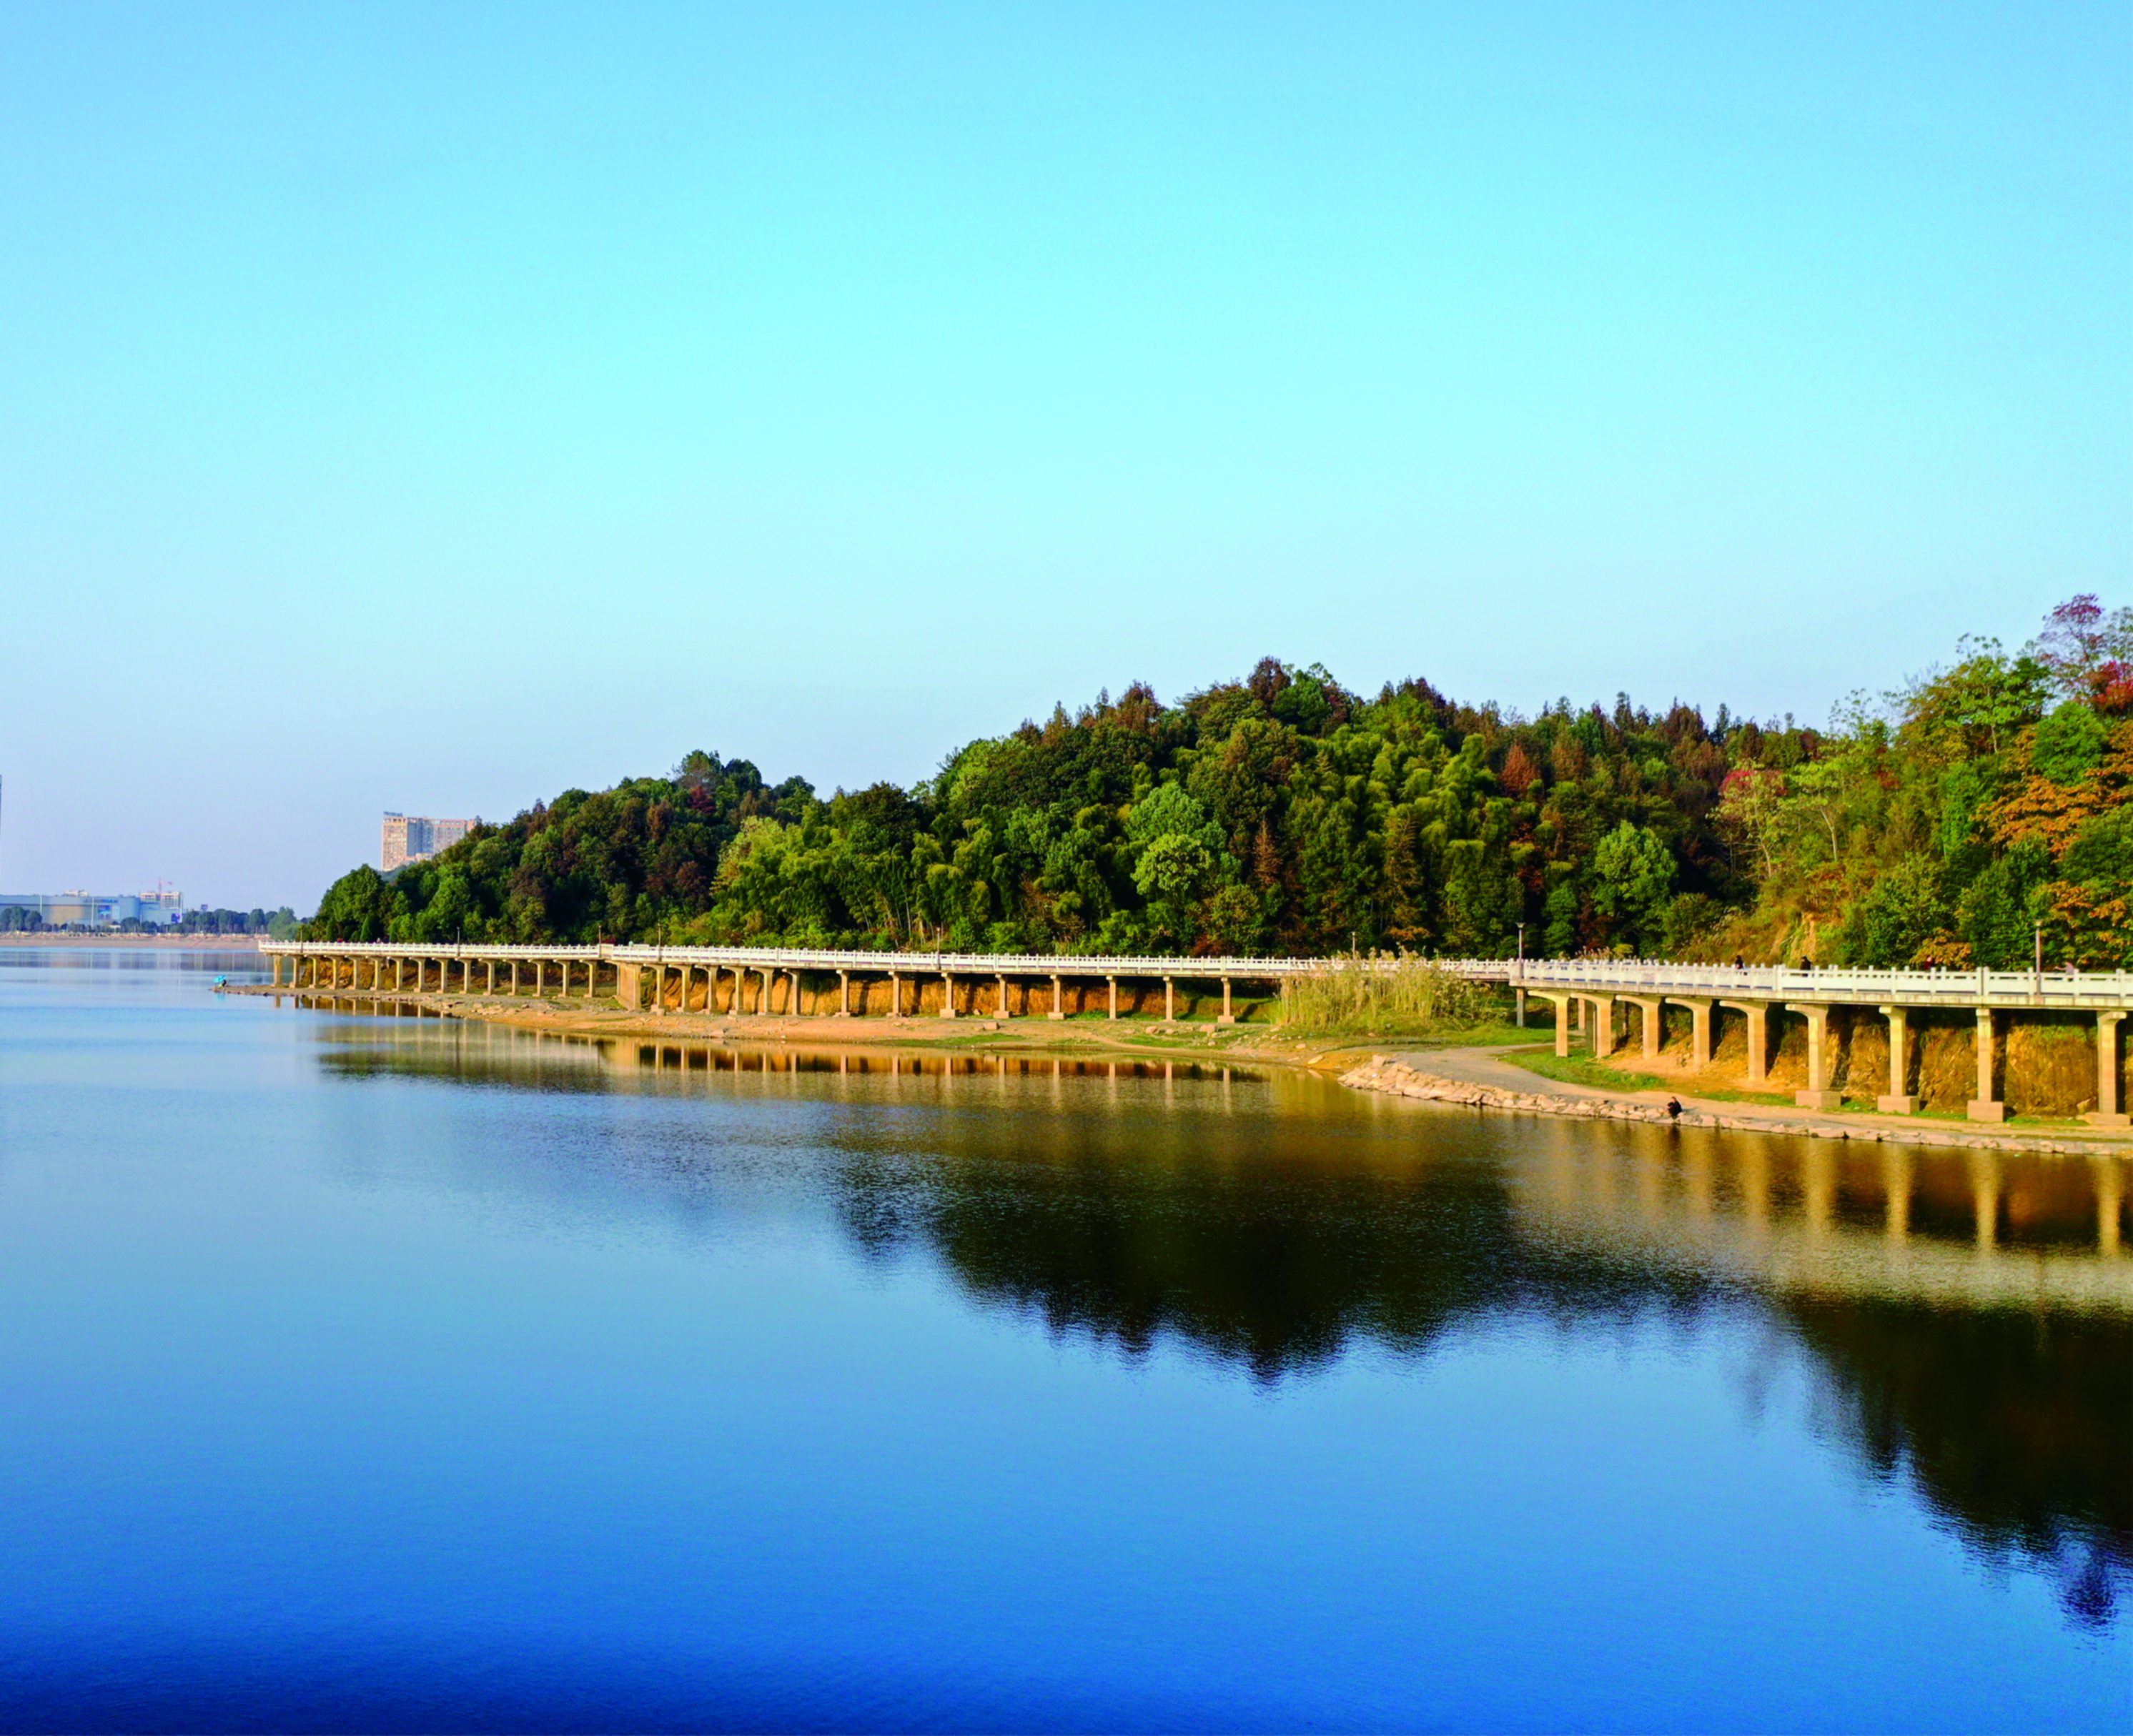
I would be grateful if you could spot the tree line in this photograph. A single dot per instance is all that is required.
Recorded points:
(1282, 813)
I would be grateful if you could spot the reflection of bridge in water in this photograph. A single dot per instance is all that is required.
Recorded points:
(1978, 1228)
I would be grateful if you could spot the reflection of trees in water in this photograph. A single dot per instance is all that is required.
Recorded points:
(1274, 1242)
(2016, 1428)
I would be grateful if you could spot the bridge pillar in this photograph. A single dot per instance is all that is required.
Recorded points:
(1759, 1038)
(793, 1005)
(947, 996)
(1114, 983)
(540, 979)
(1228, 1017)
(1058, 1002)
(1700, 1044)
(628, 989)
(1603, 1025)
(895, 995)
(762, 1000)
(1005, 1011)
(1169, 1000)
(844, 994)
(1562, 1003)
(491, 990)
(1818, 1094)
(2110, 1111)
(1648, 1006)
(1897, 1101)
(1986, 1107)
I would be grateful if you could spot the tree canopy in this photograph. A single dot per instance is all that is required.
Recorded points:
(1285, 813)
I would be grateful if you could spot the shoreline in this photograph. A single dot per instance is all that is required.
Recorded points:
(1084, 1032)
(140, 943)
(1399, 1078)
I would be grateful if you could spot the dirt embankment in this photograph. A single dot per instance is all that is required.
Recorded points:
(1382, 1073)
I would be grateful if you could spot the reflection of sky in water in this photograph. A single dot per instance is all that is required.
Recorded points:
(440, 1368)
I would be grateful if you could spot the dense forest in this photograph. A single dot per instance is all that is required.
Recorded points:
(1939, 824)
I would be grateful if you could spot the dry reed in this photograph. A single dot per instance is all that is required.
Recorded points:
(1361, 996)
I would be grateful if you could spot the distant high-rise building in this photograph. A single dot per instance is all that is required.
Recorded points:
(417, 837)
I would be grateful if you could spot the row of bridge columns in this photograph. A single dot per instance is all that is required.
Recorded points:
(326, 971)
(628, 991)
(1897, 1100)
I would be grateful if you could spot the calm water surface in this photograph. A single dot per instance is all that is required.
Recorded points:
(393, 1373)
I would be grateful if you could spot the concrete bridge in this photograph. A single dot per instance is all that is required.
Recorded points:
(765, 979)
(1606, 997)
(1613, 1000)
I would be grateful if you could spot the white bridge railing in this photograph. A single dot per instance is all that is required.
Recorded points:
(2069, 989)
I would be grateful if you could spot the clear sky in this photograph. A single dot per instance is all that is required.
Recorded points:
(434, 408)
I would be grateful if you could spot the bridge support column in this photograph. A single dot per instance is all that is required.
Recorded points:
(1759, 1038)
(1649, 1008)
(540, 979)
(1563, 1004)
(947, 996)
(1058, 1002)
(1603, 1025)
(628, 988)
(2109, 1112)
(1818, 1094)
(1897, 1101)
(762, 1000)
(1228, 1016)
(1004, 1011)
(895, 995)
(491, 988)
(793, 1005)
(1984, 1106)
(1169, 1000)
(1114, 983)
(844, 994)
(1699, 1031)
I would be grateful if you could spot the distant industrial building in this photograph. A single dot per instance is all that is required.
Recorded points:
(417, 837)
(96, 910)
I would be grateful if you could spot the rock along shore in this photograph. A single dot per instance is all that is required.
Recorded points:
(1383, 1073)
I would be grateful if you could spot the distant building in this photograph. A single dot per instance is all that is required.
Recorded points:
(96, 910)
(417, 837)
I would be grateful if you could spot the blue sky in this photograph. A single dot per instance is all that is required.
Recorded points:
(432, 409)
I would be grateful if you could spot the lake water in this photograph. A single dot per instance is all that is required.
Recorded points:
(393, 1373)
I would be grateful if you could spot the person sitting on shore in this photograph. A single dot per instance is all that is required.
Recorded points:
(1674, 1108)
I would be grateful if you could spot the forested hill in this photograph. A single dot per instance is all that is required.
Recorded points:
(1283, 813)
